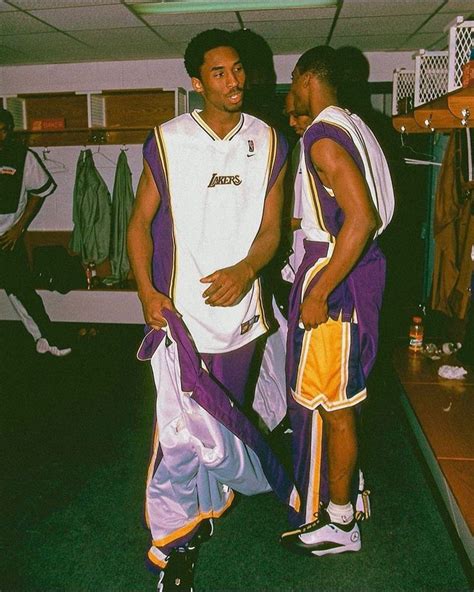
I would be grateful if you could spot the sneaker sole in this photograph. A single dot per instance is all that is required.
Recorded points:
(301, 549)
(336, 550)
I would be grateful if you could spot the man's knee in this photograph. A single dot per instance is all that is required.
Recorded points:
(340, 419)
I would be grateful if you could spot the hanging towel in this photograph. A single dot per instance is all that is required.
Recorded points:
(91, 212)
(122, 203)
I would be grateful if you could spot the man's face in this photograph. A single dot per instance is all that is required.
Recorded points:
(299, 90)
(3, 134)
(222, 80)
(298, 122)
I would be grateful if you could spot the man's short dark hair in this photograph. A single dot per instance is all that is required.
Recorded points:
(199, 45)
(321, 61)
(7, 118)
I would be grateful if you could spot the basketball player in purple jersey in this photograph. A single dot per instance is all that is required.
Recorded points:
(347, 200)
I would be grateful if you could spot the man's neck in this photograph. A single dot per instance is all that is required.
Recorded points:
(220, 122)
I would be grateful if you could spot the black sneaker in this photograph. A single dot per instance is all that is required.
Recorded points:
(203, 534)
(179, 571)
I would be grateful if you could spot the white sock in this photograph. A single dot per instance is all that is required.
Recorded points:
(340, 514)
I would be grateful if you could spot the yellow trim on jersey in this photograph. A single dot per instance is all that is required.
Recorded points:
(161, 147)
(262, 318)
(272, 151)
(367, 156)
(317, 207)
(184, 530)
(313, 271)
(162, 154)
(235, 130)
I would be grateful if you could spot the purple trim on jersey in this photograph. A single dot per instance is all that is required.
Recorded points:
(332, 213)
(280, 158)
(163, 241)
(211, 396)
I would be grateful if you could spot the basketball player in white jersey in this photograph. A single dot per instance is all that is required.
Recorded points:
(206, 221)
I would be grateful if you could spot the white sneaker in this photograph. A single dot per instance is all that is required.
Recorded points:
(59, 353)
(323, 537)
(43, 347)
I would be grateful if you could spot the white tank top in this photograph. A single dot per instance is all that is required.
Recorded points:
(217, 191)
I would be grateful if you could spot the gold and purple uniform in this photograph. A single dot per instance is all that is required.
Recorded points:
(213, 193)
(329, 364)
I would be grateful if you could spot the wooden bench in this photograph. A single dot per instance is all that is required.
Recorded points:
(441, 413)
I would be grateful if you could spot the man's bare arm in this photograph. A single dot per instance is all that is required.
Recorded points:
(140, 249)
(229, 285)
(337, 170)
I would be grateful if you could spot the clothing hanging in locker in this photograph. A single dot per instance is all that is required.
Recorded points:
(122, 203)
(91, 212)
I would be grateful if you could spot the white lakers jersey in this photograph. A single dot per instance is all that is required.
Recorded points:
(216, 190)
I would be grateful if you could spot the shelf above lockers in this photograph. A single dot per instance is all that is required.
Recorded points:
(455, 110)
(436, 116)
(429, 98)
(104, 117)
(406, 124)
(461, 105)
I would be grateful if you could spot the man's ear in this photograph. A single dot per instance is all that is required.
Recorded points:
(306, 78)
(197, 84)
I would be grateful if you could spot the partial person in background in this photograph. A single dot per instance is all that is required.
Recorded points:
(299, 123)
(24, 183)
(347, 201)
(260, 99)
(270, 389)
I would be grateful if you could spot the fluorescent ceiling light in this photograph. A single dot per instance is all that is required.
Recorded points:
(187, 6)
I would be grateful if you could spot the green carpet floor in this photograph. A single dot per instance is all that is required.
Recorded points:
(75, 438)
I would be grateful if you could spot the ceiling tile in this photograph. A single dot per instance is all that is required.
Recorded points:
(192, 19)
(38, 47)
(463, 5)
(178, 33)
(39, 4)
(9, 55)
(378, 25)
(288, 14)
(4, 7)
(137, 40)
(368, 42)
(291, 29)
(424, 41)
(386, 8)
(81, 18)
(439, 22)
(291, 46)
(19, 22)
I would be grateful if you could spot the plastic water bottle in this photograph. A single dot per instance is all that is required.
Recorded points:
(416, 334)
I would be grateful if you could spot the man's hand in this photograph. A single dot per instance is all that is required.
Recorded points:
(228, 285)
(10, 238)
(313, 310)
(153, 304)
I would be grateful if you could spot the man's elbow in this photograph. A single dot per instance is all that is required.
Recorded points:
(371, 224)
